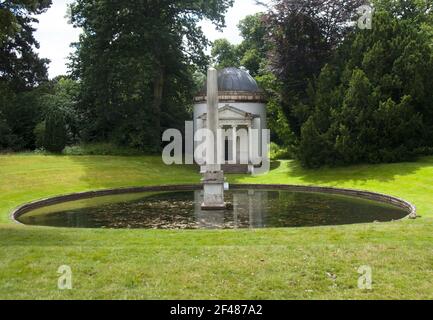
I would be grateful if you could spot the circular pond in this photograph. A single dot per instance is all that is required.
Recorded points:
(251, 208)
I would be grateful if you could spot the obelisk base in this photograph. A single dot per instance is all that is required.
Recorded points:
(213, 185)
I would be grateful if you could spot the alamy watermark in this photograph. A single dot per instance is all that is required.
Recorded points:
(365, 21)
(64, 282)
(228, 146)
(365, 281)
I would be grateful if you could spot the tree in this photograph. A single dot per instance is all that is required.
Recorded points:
(20, 66)
(59, 123)
(374, 101)
(254, 47)
(21, 71)
(225, 54)
(134, 61)
(251, 53)
(303, 35)
(59, 101)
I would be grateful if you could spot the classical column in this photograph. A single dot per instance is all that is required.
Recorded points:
(250, 150)
(235, 145)
(256, 123)
(221, 146)
(200, 158)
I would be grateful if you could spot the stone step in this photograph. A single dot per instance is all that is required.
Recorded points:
(234, 168)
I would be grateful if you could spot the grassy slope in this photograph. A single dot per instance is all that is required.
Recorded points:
(281, 264)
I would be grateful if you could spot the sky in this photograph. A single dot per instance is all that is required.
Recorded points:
(55, 35)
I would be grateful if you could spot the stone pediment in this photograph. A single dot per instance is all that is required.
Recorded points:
(231, 113)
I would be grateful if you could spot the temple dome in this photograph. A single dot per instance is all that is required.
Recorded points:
(235, 85)
(234, 79)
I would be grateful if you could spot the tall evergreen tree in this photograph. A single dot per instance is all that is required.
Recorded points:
(374, 101)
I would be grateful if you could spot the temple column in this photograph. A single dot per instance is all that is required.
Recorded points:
(235, 145)
(250, 150)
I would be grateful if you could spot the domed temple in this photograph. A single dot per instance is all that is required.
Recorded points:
(242, 107)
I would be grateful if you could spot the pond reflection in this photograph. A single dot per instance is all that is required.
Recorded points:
(182, 210)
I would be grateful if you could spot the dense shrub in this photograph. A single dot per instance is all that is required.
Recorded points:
(280, 153)
(7, 139)
(101, 149)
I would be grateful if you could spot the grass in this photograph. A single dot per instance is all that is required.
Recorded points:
(304, 263)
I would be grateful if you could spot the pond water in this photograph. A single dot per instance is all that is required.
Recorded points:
(182, 210)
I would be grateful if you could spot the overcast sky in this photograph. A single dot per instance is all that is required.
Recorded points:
(55, 34)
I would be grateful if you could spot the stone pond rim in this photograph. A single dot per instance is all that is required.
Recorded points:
(368, 195)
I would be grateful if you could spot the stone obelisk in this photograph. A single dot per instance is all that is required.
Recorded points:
(213, 179)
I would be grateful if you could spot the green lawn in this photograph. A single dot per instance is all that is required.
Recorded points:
(301, 263)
